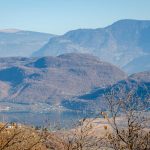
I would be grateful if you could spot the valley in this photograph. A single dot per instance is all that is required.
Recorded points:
(68, 85)
(74, 75)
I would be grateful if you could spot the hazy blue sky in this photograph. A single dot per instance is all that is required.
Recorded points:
(59, 16)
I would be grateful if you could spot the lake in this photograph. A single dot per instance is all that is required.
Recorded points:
(52, 119)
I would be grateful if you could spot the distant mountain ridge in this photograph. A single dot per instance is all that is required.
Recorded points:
(10, 30)
(138, 64)
(15, 42)
(125, 43)
(119, 43)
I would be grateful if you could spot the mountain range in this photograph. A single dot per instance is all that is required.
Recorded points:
(14, 42)
(50, 80)
(125, 43)
(72, 81)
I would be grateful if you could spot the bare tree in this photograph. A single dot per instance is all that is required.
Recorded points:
(83, 138)
(129, 119)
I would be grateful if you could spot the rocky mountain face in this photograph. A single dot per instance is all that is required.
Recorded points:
(137, 84)
(49, 80)
(15, 42)
(120, 43)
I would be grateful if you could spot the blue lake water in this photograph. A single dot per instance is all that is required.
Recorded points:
(52, 119)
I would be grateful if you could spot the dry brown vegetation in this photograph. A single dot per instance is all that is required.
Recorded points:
(17, 137)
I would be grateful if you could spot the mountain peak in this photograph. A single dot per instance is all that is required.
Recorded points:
(10, 30)
(130, 23)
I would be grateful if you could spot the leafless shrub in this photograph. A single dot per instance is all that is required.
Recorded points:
(131, 132)
(79, 138)
(83, 137)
